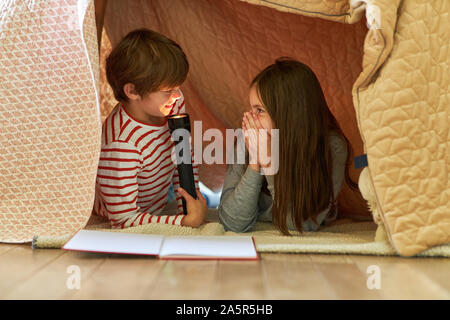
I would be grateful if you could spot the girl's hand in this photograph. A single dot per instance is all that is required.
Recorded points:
(257, 136)
(196, 209)
(251, 140)
(265, 138)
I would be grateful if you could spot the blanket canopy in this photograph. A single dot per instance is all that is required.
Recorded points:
(227, 44)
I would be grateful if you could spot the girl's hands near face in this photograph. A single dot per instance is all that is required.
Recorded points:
(251, 140)
(256, 136)
(264, 134)
(262, 120)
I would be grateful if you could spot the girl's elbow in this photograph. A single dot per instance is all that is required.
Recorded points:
(233, 225)
(235, 228)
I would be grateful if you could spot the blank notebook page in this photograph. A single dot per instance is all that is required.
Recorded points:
(217, 246)
(115, 242)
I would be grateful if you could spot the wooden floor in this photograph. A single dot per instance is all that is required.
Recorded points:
(43, 274)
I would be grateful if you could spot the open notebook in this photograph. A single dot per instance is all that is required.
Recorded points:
(165, 247)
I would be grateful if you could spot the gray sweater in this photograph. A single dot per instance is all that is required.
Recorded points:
(242, 203)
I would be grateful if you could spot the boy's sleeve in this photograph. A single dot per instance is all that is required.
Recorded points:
(119, 166)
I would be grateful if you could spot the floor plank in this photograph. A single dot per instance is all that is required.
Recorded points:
(42, 274)
(401, 280)
(5, 247)
(239, 280)
(303, 282)
(120, 277)
(50, 282)
(21, 263)
(180, 279)
(344, 277)
(436, 269)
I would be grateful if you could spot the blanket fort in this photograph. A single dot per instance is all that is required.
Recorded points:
(383, 65)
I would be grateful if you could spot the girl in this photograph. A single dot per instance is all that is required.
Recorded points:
(313, 158)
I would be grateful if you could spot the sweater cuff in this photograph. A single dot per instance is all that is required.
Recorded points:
(178, 221)
(270, 180)
(252, 177)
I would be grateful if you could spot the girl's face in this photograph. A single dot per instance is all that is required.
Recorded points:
(257, 108)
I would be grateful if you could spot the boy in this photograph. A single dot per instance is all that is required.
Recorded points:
(136, 170)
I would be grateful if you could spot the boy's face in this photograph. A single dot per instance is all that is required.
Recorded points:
(159, 103)
(153, 107)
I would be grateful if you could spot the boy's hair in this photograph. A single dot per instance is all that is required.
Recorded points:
(148, 60)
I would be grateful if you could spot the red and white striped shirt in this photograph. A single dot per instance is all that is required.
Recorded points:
(135, 171)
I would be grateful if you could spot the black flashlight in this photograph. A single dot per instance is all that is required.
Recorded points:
(180, 129)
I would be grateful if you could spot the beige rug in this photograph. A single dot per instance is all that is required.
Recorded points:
(343, 237)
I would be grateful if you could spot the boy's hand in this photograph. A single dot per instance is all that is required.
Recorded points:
(196, 209)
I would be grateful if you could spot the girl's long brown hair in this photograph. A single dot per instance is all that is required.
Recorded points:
(293, 97)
